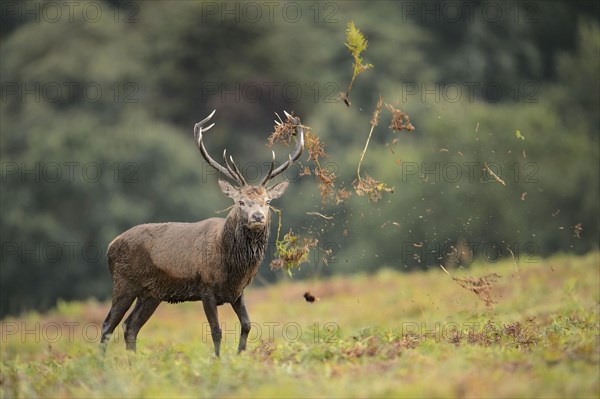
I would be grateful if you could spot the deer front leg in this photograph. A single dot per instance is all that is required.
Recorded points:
(239, 307)
(210, 309)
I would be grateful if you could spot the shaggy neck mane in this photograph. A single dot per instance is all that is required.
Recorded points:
(243, 248)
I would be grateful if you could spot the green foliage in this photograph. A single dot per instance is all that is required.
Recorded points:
(174, 58)
(290, 252)
(356, 44)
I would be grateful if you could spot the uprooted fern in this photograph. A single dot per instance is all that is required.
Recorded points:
(356, 44)
(326, 178)
(290, 251)
(367, 185)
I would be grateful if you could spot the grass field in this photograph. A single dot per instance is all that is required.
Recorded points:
(384, 335)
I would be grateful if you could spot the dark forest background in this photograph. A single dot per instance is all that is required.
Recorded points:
(99, 100)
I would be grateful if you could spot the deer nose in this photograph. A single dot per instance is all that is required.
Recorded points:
(258, 216)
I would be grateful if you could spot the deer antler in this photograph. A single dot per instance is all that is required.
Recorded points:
(228, 170)
(291, 157)
(233, 169)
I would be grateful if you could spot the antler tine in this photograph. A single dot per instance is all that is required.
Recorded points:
(297, 151)
(229, 168)
(237, 171)
(278, 117)
(233, 171)
(206, 129)
(203, 121)
(198, 130)
(271, 167)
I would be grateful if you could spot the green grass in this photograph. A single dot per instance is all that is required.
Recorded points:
(383, 335)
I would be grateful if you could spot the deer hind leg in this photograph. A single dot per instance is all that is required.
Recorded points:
(122, 298)
(239, 308)
(144, 308)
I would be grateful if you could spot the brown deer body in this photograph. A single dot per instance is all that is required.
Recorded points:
(212, 260)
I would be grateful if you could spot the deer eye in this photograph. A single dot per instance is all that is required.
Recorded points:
(268, 201)
(241, 203)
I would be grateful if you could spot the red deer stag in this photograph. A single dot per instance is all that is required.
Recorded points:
(210, 261)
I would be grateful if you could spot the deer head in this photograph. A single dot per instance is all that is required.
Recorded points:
(251, 202)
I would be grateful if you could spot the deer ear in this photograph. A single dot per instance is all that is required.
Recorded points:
(228, 189)
(277, 190)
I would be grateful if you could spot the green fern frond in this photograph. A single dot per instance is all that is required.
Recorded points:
(355, 40)
(356, 43)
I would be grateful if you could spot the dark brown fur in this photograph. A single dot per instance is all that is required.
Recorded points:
(212, 260)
